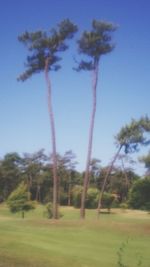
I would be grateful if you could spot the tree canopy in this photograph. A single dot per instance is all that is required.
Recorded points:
(44, 45)
(18, 201)
(95, 43)
(146, 161)
(132, 135)
(139, 197)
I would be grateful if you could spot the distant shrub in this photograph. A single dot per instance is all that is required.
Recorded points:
(49, 211)
(107, 200)
(63, 198)
(115, 203)
(139, 196)
(123, 206)
(92, 198)
(76, 196)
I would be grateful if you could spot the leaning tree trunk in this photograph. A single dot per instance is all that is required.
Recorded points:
(105, 180)
(126, 177)
(86, 177)
(54, 156)
(69, 195)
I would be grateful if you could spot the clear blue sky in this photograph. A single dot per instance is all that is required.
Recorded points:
(123, 88)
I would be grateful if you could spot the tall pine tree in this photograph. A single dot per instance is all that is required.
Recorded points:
(43, 56)
(93, 44)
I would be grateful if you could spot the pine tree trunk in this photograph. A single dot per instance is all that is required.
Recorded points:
(69, 195)
(86, 177)
(126, 178)
(54, 156)
(105, 180)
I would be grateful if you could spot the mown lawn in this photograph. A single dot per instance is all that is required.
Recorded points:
(38, 242)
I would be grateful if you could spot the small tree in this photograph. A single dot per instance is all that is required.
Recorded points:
(44, 48)
(18, 201)
(93, 44)
(91, 198)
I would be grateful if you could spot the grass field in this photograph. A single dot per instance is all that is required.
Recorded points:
(38, 242)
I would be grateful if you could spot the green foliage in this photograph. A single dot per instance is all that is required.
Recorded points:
(66, 166)
(37, 174)
(95, 170)
(120, 182)
(133, 134)
(76, 195)
(92, 198)
(49, 210)
(123, 206)
(139, 197)
(35, 170)
(63, 197)
(95, 43)
(10, 175)
(107, 200)
(44, 45)
(119, 185)
(146, 161)
(18, 201)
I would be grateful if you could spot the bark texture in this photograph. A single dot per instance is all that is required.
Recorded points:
(89, 153)
(53, 137)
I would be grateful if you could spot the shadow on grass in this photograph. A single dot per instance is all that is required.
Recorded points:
(107, 212)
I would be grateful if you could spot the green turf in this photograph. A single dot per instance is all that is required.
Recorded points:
(38, 242)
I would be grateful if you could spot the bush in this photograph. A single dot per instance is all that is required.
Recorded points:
(18, 201)
(107, 200)
(115, 203)
(123, 206)
(92, 198)
(76, 196)
(49, 210)
(139, 196)
(63, 197)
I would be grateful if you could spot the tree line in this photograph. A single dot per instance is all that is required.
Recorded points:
(29, 178)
